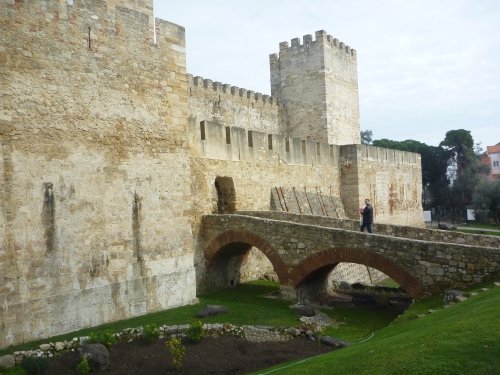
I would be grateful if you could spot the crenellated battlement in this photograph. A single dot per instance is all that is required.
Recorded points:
(214, 87)
(322, 39)
(216, 141)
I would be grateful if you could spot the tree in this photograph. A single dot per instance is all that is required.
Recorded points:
(486, 200)
(366, 137)
(461, 146)
(463, 166)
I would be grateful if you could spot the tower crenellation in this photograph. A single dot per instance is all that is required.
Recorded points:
(322, 38)
(317, 83)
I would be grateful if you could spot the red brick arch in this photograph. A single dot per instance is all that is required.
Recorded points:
(337, 255)
(242, 236)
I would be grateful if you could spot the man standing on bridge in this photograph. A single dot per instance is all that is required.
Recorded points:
(367, 214)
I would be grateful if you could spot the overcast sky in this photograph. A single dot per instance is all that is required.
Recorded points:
(424, 66)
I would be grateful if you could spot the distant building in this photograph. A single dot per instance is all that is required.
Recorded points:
(492, 158)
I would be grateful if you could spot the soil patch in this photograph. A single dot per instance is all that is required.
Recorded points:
(213, 355)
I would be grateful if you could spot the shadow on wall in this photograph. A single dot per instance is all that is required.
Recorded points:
(226, 196)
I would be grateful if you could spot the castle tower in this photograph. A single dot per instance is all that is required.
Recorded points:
(317, 84)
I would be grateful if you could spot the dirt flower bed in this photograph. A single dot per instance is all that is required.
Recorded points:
(213, 355)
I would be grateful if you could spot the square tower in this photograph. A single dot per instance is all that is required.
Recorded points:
(317, 85)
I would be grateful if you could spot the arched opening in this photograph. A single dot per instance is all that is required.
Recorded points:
(239, 256)
(314, 280)
(238, 263)
(226, 196)
(256, 266)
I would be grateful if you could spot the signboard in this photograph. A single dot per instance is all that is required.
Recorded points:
(471, 215)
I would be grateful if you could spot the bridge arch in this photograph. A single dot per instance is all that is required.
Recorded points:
(328, 259)
(243, 239)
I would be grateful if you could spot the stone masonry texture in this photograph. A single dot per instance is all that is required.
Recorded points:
(109, 153)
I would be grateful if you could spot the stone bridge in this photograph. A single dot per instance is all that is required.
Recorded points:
(305, 249)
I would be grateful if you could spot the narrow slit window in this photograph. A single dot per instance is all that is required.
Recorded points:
(250, 138)
(270, 141)
(228, 135)
(202, 131)
(318, 148)
(287, 145)
(303, 147)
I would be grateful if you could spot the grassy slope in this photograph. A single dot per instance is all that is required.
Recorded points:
(461, 339)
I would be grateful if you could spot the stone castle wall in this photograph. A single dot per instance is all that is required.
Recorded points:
(232, 106)
(95, 221)
(391, 179)
(109, 153)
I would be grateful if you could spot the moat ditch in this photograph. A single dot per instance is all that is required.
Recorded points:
(354, 312)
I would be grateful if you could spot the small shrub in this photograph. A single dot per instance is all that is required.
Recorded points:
(83, 367)
(105, 338)
(177, 350)
(151, 332)
(34, 365)
(195, 332)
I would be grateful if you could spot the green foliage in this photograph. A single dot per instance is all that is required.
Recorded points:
(177, 351)
(461, 145)
(83, 367)
(353, 324)
(486, 201)
(388, 282)
(195, 332)
(35, 365)
(151, 332)
(12, 371)
(366, 137)
(103, 337)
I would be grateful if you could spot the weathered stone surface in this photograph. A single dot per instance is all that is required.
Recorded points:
(97, 354)
(305, 310)
(452, 295)
(211, 310)
(331, 341)
(293, 331)
(7, 361)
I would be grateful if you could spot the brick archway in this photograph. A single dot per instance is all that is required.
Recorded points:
(245, 237)
(337, 255)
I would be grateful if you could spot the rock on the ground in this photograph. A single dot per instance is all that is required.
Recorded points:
(211, 310)
(293, 331)
(305, 310)
(453, 295)
(332, 341)
(97, 354)
(7, 361)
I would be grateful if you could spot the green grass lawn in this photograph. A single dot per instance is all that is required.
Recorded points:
(461, 339)
(477, 231)
(485, 229)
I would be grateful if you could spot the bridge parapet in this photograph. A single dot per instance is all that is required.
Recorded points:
(300, 249)
(433, 235)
